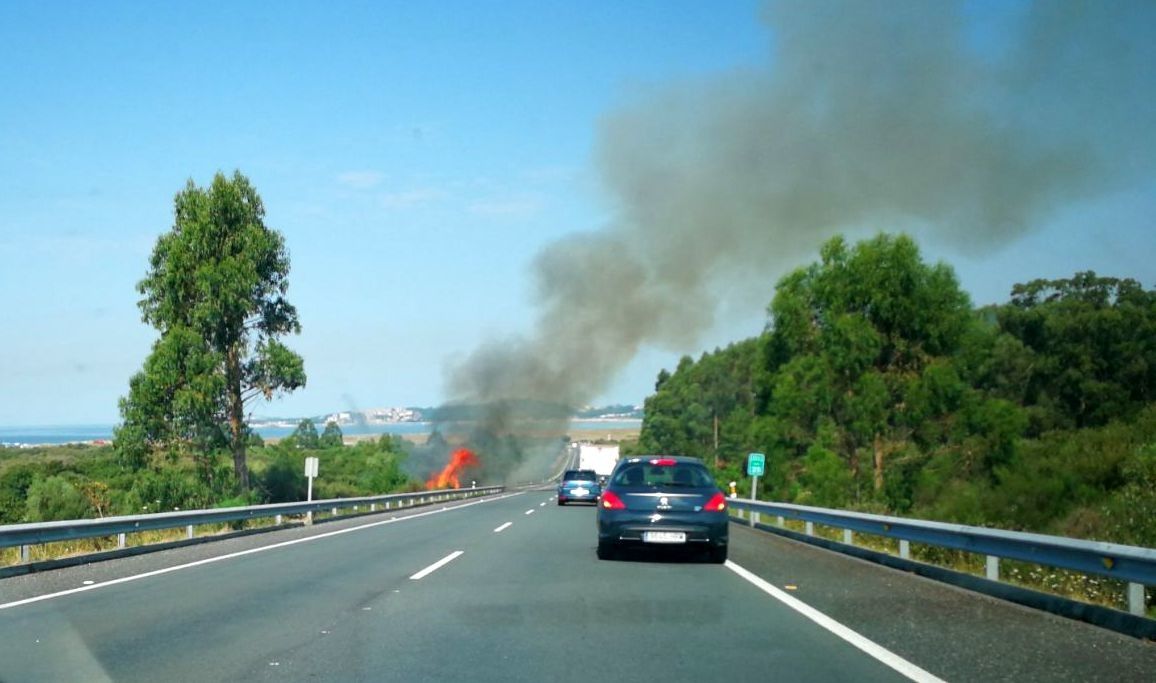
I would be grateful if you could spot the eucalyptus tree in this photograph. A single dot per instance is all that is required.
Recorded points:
(305, 435)
(215, 290)
(332, 436)
(853, 337)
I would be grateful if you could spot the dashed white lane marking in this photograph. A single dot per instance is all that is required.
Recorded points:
(250, 551)
(541, 505)
(437, 565)
(502, 528)
(530, 511)
(870, 647)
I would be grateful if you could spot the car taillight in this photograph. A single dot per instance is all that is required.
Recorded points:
(717, 503)
(609, 501)
(664, 462)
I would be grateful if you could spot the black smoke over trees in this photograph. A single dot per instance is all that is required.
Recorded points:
(866, 116)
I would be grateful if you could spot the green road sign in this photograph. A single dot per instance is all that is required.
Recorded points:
(756, 464)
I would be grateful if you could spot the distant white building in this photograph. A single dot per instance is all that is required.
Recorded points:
(389, 415)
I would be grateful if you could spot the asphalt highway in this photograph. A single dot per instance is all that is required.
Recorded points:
(509, 589)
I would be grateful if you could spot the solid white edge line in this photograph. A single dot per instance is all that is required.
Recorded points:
(241, 553)
(530, 511)
(436, 565)
(868, 646)
(502, 528)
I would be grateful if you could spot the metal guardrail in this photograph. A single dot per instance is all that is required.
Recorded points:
(1133, 564)
(25, 535)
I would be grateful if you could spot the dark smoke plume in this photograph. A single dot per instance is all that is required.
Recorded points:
(870, 116)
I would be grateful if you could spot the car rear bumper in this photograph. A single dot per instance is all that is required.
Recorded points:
(570, 497)
(626, 528)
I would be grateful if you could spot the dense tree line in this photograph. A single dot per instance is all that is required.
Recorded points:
(76, 482)
(878, 386)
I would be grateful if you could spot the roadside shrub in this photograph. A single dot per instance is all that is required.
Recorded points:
(14, 484)
(283, 479)
(826, 479)
(56, 498)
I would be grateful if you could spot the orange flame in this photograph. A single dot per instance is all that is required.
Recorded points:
(448, 477)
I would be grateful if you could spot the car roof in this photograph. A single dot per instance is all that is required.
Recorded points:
(647, 458)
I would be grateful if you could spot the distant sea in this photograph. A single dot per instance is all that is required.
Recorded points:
(36, 436)
(33, 436)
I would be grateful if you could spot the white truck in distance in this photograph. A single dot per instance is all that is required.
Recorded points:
(597, 457)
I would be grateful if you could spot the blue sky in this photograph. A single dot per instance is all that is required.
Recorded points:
(416, 156)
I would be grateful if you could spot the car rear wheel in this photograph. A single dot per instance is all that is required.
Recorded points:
(607, 551)
(718, 554)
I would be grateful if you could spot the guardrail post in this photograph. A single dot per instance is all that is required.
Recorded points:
(120, 540)
(387, 505)
(780, 521)
(848, 537)
(373, 507)
(992, 570)
(1136, 599)
(810, 528)
(278, 518)
(189, 531)
(25, 554)
(905, 549)
(333, 512)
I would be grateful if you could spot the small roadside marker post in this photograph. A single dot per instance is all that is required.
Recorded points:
(310, 472)
(756, 467)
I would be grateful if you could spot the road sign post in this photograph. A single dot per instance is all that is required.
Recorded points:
(310, 472)
(756, 467)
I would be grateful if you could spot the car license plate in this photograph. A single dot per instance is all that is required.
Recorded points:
(580, 491)
(663, 537)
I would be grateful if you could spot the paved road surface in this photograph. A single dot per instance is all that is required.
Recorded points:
(528, 602)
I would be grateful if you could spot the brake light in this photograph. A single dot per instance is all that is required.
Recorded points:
(717, 503)
(664, 462)
(609, 501)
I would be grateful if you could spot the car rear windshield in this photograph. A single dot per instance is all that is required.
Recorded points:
(585, 475)
(683, 474)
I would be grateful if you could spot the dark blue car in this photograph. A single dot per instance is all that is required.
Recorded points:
(662, 501)
(579, 486)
